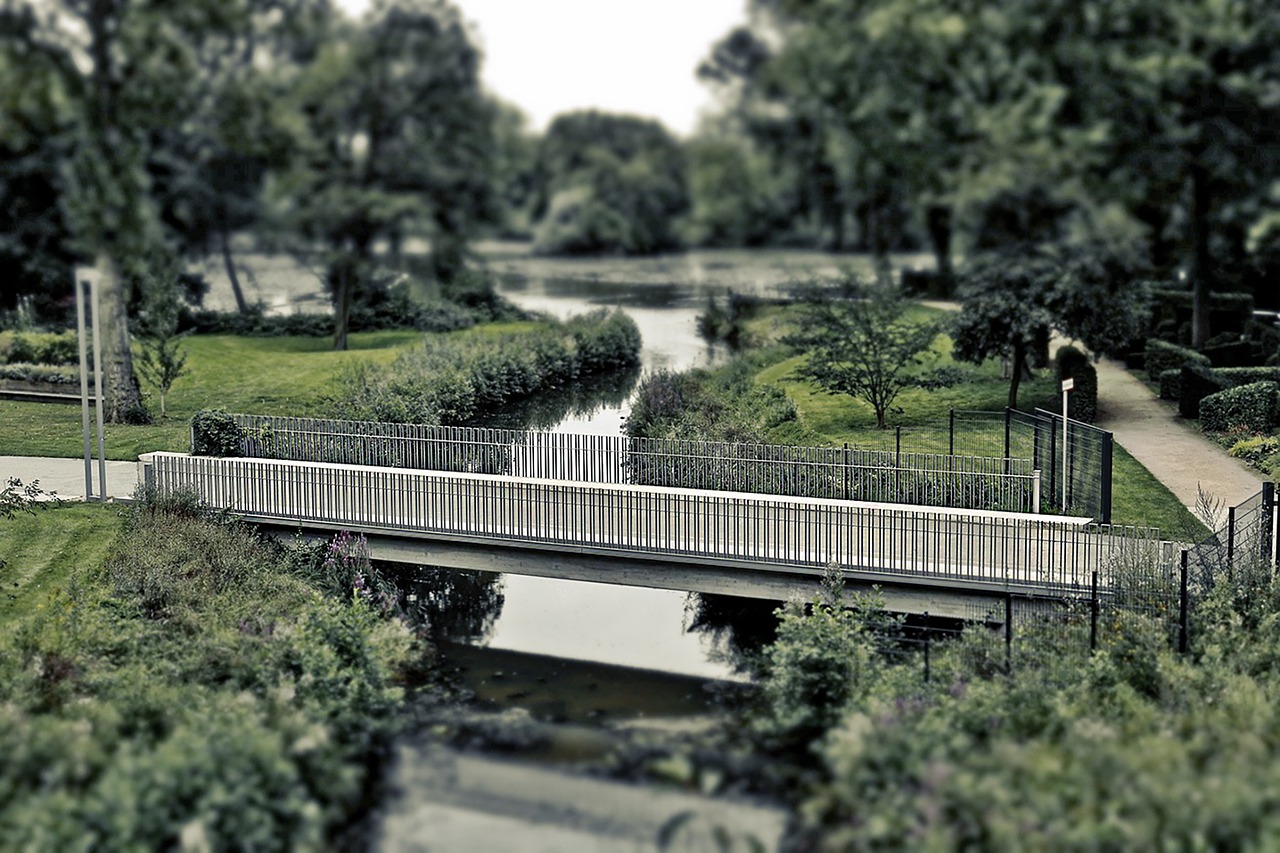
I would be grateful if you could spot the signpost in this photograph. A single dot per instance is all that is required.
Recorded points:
(86, 288)
(1067, 386)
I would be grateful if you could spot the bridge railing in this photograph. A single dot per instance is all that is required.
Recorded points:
(974, 546)
(928, 479)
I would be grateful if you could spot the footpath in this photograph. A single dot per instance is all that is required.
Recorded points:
(1172, 449)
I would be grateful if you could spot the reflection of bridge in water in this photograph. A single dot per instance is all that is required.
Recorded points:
(925, 559)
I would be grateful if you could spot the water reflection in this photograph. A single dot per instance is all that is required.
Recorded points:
(738, 629)
(450, 604)
(590, 399)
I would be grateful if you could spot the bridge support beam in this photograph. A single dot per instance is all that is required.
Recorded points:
(760, 581)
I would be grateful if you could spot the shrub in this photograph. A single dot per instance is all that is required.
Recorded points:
(215, 433)
(62, 348)
(1247, 375)
(1171, 384)
(1082, 402)
(1161, 356)
(48, 374)
(1251, 407)
(1198, 381)
(1256, 450)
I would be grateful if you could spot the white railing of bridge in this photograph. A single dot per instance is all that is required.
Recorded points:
(1046, 552)
(930, 479)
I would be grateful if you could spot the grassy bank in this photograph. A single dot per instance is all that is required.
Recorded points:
(284, 375)
(185, 684)
(761, 396)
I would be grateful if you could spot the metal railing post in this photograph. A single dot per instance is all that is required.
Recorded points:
(1267, 521)
(1183, 639)
(1093, 613)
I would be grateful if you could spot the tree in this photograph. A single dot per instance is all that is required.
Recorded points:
(124, 73)
(859, 343)
(395, 135)
(1012, 300)
(608, 184)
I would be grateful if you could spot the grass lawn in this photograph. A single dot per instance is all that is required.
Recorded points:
(276, 376)
(1138, 498)
(41, 552)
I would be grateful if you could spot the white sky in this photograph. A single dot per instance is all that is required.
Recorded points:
(631, 56)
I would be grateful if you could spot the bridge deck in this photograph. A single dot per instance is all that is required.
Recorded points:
(960, 548)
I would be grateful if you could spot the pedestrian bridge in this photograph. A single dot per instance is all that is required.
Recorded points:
(924, 559)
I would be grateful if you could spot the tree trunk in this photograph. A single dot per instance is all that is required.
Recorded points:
(938, 223)
(1201, 259)
(1016, 370)
(229, 263)
(123, 397)
(343, 288)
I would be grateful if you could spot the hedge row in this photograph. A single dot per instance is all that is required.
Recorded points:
(1162, 356)
(1082, 402)
(39, 348)
(47, 373)
(1249, 407)
(454, 380)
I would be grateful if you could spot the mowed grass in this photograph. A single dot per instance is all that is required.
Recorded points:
(43, 550)
(1138, 498)
(278, 376)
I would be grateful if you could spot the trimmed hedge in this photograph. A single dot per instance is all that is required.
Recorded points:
(1171, 384)
(1198, 381)
(215, 433)
(1082, 402)
(1249, 407)
(1248, 375)
(49, 374)
(39, 348)
(1162, 355)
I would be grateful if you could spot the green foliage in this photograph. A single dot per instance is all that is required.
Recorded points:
(1198, 381)
(859, 343)
(822, 664)
(44, 348)
(215, 433)
(1261, 451)
(193, 692)
(1249, 407)
(40, 373)
(608, 184)
(1171, 384)
(1162, 355)
(1010, 299)
(1082, 400)
(18, 497)
(451, 380)
(721, 405)
(162, 362)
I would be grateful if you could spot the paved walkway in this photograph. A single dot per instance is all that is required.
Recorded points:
(65, 477)
(447, 802)
(1168, 446)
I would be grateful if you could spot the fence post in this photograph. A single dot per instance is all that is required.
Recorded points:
(1007, 417)
(1182, 605)
(1035, 491)
(897, 451)
(1231, 540)
(1008, 633)
(926, 647)
(846, 470)
(952, 434)
(1268, 522)
(1108, 443)
(1053, 468)
(1093, 612)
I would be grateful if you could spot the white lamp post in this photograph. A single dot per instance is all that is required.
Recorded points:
(86, 279)
(1067, 386)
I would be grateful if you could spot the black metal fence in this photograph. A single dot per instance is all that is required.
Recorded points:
(923, 478)
(1085, 469)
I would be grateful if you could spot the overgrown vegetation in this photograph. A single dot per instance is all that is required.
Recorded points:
(452, 380)
(201, 688)
(1066, 751)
